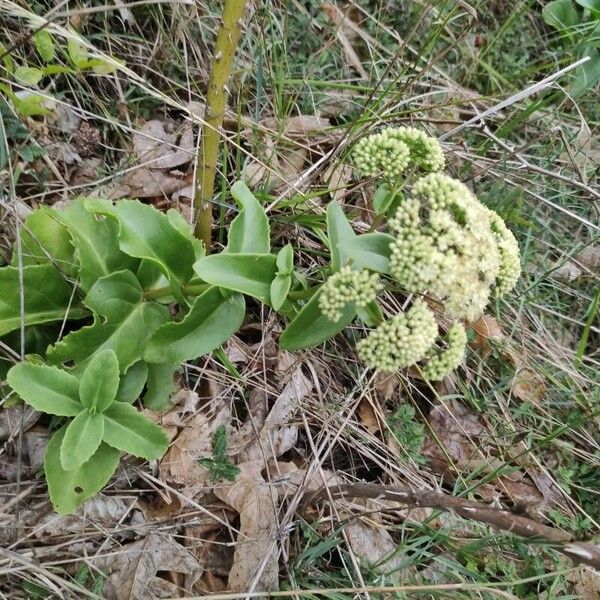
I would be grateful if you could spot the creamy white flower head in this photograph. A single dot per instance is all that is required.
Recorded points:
(451, 245)
(425, 151)
(400, 341)
(441, 362)
(346, 286)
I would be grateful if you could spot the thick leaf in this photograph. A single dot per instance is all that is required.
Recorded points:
(187, 229)
(100, 381)
(285, 260)
(145, 232)
(70, 489)
(212, 320)
(370, 251)
(249, 232)
(47, 389)
(44, 45)
(125, 330)
(96, 243)
(587, 75)
(47, 297)
(592, 5)
(310, 327)
(339, 230)
(280, 288)
(160, 385)
(31, 104)
(560, 14)
(45, 241)
(82, 438)
(132, 383)
(371, 314)
(250, 274)
(78, 53)
(129, 430)
(28, 75)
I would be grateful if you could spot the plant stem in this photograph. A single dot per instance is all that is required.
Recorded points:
(227, 40)
(191, 289)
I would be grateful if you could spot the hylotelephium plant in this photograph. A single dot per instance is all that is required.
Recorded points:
(108, 299)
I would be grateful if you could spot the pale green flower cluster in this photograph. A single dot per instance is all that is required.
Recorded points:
(345, 286)
(451, 245)
(441, 362)
(391, 151)
(400, 341)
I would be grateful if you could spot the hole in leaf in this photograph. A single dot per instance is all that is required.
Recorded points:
(78, 490)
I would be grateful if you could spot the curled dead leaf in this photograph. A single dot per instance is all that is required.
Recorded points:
(163, 145)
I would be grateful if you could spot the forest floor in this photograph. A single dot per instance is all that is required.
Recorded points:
(517, 427)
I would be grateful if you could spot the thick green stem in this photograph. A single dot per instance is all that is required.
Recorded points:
(216, 96)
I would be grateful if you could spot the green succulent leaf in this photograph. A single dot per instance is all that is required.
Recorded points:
(28, 75)
(249, 232)
(587, 76)
(370, 251)
(96, 244)
(211, 321)
(129, 430)
(561, 14)
(132, 383)
(100, 381)
(249, 274)
(339, 231)
(280, 288)
(47, 389)
(125, 329)
(592, 5)
(160, 385)
(78, 53)
(44, 45)
(45, 241)
(46, 297)
(310, 327)
(31, 104)
(177, 220)
(82, 438)
(285, 260)
(147, 233)
(70, 489)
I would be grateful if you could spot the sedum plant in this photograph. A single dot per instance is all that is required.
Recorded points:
(108, 299)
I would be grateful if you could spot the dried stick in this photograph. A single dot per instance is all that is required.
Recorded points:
(580, 552)
(216, 96)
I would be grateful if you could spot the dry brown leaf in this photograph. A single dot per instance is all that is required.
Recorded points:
(529, 386)
(375, 547)
(164, 145)
(337, 177)
(582, 263)
(256, 503)
(146, 183)
(133, 569)
(180, 464)
(368, 417)
(486, 328)
(586, 582)
(102, 510)
(303, 125)
(276, 435)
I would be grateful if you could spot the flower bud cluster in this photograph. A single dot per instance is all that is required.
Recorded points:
(391, 151)
(400, 341)
(345, 286)
(451, 245)
(442, 362)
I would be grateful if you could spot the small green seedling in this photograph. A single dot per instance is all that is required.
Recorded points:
(219, 466)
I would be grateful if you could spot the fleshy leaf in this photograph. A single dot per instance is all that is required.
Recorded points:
(285, 260)
(47, 297)
(82, 438)
(132, 383)
(310, 327)
(280, 288)
(45, 241)
(160, 385)
(249, 232)
(250, 274)
(370, 251)
(44, 45)
(210, 322)
(100, 381)
(70, 489)
(47, 389)
(96, 244)
(339, 230)
(145, 232)
(129, 430)
(127, 327)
